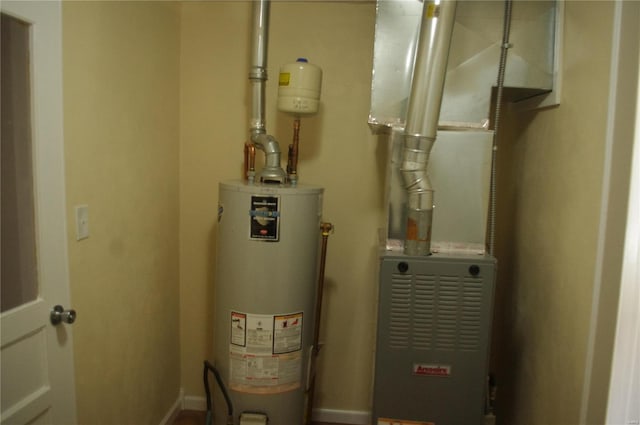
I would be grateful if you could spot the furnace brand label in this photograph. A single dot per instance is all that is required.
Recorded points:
(265, 218)
(431, 370)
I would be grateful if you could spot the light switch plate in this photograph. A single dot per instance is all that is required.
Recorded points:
(82, 222)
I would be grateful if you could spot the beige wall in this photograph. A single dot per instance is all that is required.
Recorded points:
(337, 152)
(156, 112)
(121, 141)
(550, 212)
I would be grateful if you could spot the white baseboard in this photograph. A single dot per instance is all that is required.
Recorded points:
(174, 410)
(353, 417)
(347, 417)
(192, 402)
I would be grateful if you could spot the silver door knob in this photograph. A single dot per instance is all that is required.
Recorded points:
(59, 314)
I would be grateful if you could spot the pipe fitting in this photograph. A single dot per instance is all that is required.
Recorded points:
(416, 152)
(326, 229)
(250, 162)
(272, 171)
(292, 163)
(258, 73)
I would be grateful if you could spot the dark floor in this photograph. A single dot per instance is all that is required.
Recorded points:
(192, 417)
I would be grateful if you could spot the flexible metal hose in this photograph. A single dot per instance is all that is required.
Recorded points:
(494, 151)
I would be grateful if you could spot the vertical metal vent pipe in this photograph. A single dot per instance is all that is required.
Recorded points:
(421, 126)
(272, 171)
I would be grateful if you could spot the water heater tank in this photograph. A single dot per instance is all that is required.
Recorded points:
(267, 252)
(299, 87)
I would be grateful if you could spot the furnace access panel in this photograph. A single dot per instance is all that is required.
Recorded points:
(434, 325)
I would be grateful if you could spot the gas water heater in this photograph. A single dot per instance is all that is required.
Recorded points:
(268, 240)
(269, 263)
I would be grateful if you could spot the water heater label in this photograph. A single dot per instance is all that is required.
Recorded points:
(238, 329)
(265, 218)
(259, 334)
(265, 352)
(287, 333)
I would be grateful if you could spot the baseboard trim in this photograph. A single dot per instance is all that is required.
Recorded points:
(195, 403)
(174, 410)
(352, 417)
(346, 417)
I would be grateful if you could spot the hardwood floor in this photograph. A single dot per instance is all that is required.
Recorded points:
(190, 417)
(193, 417)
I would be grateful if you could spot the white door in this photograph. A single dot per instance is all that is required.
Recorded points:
(37, 357)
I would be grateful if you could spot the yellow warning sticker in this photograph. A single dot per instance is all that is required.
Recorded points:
(284, 79)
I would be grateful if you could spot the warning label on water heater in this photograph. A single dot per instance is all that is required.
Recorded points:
(265, 352)
(265, 218)
(287, 333)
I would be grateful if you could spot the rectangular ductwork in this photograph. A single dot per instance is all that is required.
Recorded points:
(473, 59)
(460, 162)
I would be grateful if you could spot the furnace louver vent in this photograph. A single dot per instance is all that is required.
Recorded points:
(400, 321)
(471, 314)
(435, 312)
(423, 311)
(447, 313)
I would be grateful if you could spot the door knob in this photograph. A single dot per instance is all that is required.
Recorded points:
(59, 314)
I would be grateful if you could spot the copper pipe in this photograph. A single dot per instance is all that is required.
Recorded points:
(249, 159)
(327, 229)
(292, 165)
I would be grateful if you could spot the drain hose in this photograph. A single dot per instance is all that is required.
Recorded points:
(205, 376)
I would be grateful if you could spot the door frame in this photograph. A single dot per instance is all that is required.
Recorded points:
(624, 387)
(614, 315)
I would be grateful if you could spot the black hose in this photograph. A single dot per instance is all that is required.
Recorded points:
(205, 378)
(209, 367)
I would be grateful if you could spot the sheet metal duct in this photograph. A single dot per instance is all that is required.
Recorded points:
(473, 60)
(471, 73)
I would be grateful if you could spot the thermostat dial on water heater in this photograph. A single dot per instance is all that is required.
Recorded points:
(299, 87)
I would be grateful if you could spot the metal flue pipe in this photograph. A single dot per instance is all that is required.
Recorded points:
(423, 114)
(258, 71)
(272, 171)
